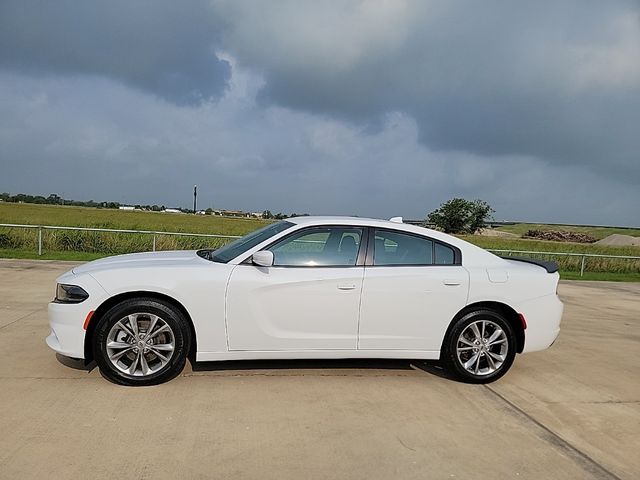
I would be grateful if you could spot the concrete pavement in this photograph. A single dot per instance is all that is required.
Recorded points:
(570, 412)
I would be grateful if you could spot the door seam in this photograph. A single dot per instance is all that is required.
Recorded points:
(226, 294)
(364, 270)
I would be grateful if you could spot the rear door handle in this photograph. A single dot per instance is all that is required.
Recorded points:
(349, 286)
(451, 283)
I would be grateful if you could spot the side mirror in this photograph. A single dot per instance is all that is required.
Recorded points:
(263, 258)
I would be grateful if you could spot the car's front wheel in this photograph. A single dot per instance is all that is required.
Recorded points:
(141, 341)
(480, 347)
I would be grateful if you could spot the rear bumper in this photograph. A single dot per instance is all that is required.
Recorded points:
(543, 317)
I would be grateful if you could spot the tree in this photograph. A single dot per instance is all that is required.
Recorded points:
(54, 199)
(461, 216)
(267, 214)
(481, 213)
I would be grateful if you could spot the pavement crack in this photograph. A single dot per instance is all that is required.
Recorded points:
(580, 457)
(405, 445)
(598, 402)
(21, 318)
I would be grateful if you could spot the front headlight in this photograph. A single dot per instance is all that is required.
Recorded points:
(70, 294)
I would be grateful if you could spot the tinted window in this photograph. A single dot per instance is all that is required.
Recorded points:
(393, 248)
(444, 255)
(311, 247)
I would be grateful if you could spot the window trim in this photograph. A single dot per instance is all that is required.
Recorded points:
(360, 258)
(457, 254)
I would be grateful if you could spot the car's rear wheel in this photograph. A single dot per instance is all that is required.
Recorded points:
(141, 341)
(480, 347)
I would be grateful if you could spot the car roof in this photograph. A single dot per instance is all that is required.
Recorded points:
(367, 222)
(338, 220)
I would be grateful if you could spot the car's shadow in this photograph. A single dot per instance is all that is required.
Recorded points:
(75, 363)
(431, 367)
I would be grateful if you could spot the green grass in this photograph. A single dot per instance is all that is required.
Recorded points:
(58, 215)
(106, 243)
(601, 276)
(31, 255)
(597, 232)
(85, 257)
(568, 263)
(500, 243)
(84, 246)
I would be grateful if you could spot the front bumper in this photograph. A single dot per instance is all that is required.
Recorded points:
(67, 319)
(67, 332)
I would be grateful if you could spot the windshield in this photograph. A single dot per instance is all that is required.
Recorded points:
(241, 245)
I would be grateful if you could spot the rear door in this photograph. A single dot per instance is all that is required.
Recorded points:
(413, 287)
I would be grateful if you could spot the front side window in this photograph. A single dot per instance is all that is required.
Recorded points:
(394, 248)
(241, 245)
(315, 247)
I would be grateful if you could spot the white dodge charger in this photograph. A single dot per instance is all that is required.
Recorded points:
(308, 287)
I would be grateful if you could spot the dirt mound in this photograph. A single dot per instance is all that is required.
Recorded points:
(488, 232)
(559, 236)
(617, 240)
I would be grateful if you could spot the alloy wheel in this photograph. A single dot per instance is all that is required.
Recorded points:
(482, 347)
(140, 344)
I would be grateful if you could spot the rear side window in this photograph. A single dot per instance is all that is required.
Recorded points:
(444, 255)
(394, 248)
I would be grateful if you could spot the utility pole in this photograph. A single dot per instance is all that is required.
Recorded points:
(195, 197)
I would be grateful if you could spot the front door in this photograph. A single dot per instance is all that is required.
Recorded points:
(309, 298)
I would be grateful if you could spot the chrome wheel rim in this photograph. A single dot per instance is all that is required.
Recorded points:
(140, 344)
(482, 347)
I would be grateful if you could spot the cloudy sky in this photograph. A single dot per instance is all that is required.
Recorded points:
(375, 108)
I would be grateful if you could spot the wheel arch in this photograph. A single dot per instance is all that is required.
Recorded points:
(503, 309)
(112, 301)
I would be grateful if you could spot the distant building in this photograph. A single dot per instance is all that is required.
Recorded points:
(172, 210)
(126, 207)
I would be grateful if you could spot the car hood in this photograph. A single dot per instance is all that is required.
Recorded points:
(177, 258)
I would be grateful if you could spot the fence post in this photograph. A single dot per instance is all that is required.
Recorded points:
(39, 240)
(154, 242)
(582, 266)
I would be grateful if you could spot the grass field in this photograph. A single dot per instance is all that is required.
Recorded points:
(108, 218)
(595, 268)
(68, 245)
(23, 241)
(499, 243)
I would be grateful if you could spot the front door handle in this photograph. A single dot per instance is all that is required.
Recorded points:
(451, 283)
(349, 286)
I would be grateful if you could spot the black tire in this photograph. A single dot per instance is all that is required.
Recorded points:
(453, 364)
(180, 334)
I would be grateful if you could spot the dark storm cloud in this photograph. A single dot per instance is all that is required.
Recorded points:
(559, 81)
(163, 47)
(532, 106)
